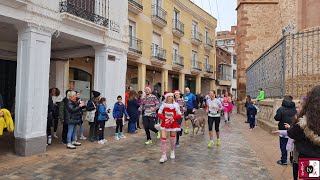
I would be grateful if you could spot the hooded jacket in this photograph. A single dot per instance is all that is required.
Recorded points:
(73, 113)
(285, 113)
(306, 140)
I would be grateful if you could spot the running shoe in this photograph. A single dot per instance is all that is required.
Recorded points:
(75, 143)
(117, 138)
(177, 145)
(101, 142)
(83, 138)
(186, 131)
(218, 142)
(122, 136)
(211, 143)
(163, 159)
(148, 142)
(172, 155)
(158, 135)
(71, 146)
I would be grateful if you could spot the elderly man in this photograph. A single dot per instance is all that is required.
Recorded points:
(191, 104)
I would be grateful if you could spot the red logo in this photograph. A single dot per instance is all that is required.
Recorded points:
(309, 168)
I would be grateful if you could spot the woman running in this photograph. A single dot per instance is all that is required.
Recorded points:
(227, 106)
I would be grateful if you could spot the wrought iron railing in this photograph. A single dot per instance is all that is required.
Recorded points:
(177, 60)
(158, 53)
(196, 35)
(159, 13)
(197, 65)
(137, 3)
(208, 42)
(225, 72)
(92, 10)
(208, 68)
(178, 25)
(135, 45)
(289, 67)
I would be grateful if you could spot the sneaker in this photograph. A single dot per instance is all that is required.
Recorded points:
(148, 142)
(163, 159)
(83, 138)
(218, 142)
(158, 135)
(101, 142)
(71, 146)
(225, 121)
(172, 155)
(75, 143)
(186, 131)
(282, 163)
(211, 143)
(65, 143)
(49, 140)
(177, 145)
(122, 136)
(104, 140)
(55, 135)
(117, 138)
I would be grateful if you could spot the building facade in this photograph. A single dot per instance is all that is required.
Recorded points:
(68, 44)
(223, 70)
(171, 46)
(227, 41)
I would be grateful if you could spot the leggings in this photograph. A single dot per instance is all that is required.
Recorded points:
(119, 125)
(216, 121)
(101, 129)
(227, 116)
(148, 123)
(179, 133)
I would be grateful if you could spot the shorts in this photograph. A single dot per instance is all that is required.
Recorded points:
(216, 121)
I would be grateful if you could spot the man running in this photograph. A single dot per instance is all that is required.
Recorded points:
(191, 103)
(213, 109)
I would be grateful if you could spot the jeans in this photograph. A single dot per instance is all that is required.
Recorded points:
(284, 153)
(72, 130)
(81, 130)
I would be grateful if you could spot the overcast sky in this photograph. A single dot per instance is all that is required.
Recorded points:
(227, 15)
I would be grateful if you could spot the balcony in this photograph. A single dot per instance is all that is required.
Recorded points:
(177, 28)
(135, 48)
(85, 10)
(208, 45)
(159, 16)
(208, 70)
(158, 55)
(135, 6)
(196, 38)
(196, 66)
(177, 62)
(224, 75)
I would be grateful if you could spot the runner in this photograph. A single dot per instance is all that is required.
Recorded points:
(191, 103)
(169, 112)
(227, 107)
(213, 109)
(182, 104)
(149, 105)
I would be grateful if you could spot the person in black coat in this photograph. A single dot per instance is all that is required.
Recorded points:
(285, 114)
(251, 114)
(49, 119)
(92, 106)
(133, 111)
(248, 99)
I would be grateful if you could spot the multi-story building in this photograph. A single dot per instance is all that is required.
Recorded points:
(227, 41)
(171, 46)
(82, 44)
(223, 70)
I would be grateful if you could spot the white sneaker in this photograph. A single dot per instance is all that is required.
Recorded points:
(104, 140)
(172, 155)
(101, 142)
(122, 136)
(117, 138)
(83, 138)
(55, 135)
(49, 140)
(75, 143)
(163, 158)
(71, 146)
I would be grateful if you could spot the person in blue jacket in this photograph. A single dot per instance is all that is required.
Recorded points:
(191, 104)
(119, 110)
(102, 118)
(251, 114)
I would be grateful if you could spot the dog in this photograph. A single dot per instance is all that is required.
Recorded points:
(197, 122)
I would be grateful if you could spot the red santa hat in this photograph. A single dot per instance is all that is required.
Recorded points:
(177, 92)
(148, 87)
(168, 94)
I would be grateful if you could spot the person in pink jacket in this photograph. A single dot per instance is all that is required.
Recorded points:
(227, 106)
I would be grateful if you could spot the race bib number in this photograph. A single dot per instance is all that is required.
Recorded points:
(147, 112)
(169, 115)
(186, 99)
(213, 113)
(226, 104)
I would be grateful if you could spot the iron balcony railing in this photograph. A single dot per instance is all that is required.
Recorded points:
(158, 53)
(178, 60)
(196, 35)
(197, 65)
(159, 13)
(225, 72)
(92, 10)
(208, 68)
(135, 45)
(208, 41)
(137, 3)
(178, 25)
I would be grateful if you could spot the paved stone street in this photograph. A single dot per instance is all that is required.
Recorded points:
(131, 159)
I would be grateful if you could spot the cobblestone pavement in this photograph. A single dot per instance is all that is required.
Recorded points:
(131, 159)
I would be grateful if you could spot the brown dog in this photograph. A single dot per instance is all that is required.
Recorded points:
(197, 122)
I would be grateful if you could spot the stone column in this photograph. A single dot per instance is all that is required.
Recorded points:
(164, 80)
(142, 70)
(198, 84)
(32, 86)
(110, 74)
(182, 81)
(62, 76)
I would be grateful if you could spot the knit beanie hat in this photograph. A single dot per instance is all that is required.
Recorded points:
(96, 94)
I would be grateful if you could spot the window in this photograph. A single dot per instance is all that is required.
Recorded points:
(158, 3)
(176, 17)
(194, 58)
(220, 42)
(156, 43)
(234, 74)
(194, 28)
(175, 48)
(206, 34)
(225, 72)
(234, 59)
(132, 33)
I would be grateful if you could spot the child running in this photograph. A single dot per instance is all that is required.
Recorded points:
(169, 112)
(119, 110)
(182, 104)
(102, 118)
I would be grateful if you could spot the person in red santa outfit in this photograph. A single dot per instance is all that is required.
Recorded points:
(169, 112)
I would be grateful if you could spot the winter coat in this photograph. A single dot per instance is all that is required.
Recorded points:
(50, 111)
(285, 114)
(251, 111)
(103, 113)
(73, 113)
(133, 108)
(307, 141)
(92, 106)
(62, 108)
(261, 96)
(119, 110)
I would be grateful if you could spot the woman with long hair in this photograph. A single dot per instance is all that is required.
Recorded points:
(178, 98)
(227, 106)
(169, 112)
(140, 96)
(133, 111)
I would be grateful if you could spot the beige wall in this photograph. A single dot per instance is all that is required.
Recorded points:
(308, 14)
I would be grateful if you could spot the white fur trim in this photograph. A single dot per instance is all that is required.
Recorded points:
(168, 94)
(314, 138)
(170, 129)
